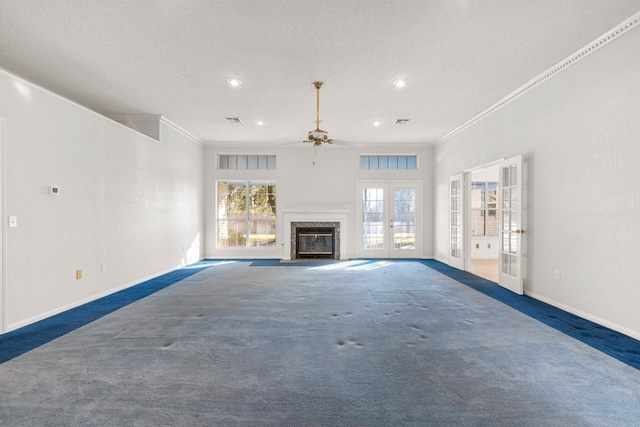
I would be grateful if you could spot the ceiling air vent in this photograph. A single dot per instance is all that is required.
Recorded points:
(401, 121)
(233, 120)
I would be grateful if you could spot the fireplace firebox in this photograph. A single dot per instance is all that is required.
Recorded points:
(315, 242)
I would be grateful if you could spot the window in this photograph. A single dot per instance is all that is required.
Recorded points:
(484, 208)
(246, 214)
(388, 162)
(246, 161)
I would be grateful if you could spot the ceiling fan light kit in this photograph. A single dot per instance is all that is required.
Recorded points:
(318, 136)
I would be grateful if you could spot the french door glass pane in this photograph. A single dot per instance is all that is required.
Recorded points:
(491, 224)
(373, 219)
(404, 207)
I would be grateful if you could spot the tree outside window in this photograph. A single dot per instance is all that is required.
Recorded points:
(246, 214)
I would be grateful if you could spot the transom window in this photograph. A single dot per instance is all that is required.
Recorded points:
(246, 161)
(388, 162)
(246, 214)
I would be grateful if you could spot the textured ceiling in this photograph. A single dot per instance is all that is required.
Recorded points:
(172, 58)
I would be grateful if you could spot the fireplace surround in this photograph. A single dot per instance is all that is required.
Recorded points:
(314, 217)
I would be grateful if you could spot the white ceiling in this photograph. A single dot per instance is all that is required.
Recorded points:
(172, 58)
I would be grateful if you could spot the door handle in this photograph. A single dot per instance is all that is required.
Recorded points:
(519, 231)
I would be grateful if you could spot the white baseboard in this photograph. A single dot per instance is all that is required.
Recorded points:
(58, 310)
(585, 315)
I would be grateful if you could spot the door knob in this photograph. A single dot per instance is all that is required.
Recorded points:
(519, 231)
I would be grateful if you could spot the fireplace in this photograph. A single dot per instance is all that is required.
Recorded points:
(315, 240)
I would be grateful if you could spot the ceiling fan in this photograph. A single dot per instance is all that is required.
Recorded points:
(318, 136)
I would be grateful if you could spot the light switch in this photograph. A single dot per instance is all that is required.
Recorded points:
(13, 221)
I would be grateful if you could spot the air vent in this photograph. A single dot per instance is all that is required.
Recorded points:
(401, 121)
(233, 120)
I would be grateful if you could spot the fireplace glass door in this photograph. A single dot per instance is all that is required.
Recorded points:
(389, 219)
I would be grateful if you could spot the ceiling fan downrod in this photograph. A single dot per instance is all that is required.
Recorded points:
(318, 136)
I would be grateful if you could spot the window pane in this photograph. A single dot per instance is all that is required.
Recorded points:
(364, 162)
(477, 222)
(393, 162)
(271, 161)
(373, 162)
(262, 201)
(223, 161)
(262, 162)
(477, 195)
(373, 217)
(262, 234)
(491, 223)
(232, 233)
(412, 162)
(242, 161)
(404, 201)
(232, 161)
(383, 162)
(252, 161)
(402, 162)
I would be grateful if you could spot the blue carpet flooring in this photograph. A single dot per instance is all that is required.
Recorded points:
(615, 344)
(20, 341)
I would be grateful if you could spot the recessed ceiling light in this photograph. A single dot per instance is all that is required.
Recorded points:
(400, 82)
(259, 122)
(376, 122)
(234, 81)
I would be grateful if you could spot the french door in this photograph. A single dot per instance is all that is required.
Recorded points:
(456, 222)
(389, 224)
(510, 275)
(511, 226)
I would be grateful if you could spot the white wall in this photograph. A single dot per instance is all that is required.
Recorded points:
(579, 132)
(330, 184)
(126, 201)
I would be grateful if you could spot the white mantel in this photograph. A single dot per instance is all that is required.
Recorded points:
(313, 215)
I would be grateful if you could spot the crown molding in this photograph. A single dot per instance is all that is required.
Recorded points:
(181, 130)
(624, 27)
(149, 125)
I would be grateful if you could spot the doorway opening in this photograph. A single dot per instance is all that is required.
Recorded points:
(484, 226)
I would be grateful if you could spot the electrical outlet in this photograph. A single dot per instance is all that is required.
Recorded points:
(103, 267)
(78, 274)
(557, 274)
